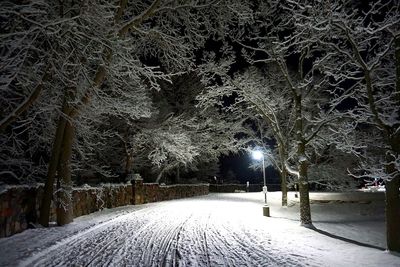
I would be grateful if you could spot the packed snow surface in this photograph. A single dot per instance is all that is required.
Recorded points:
(213, 230)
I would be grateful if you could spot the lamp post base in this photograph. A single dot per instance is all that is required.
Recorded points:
(266, 211)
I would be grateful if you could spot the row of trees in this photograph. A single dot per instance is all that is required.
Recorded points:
(87, 83)
(325, 81)
(78, 89)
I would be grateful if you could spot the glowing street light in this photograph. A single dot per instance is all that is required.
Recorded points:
(259, 155)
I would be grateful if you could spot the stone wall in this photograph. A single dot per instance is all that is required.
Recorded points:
(231, 188)
(155, 193)
(90, 199)
(152, 192)
(19, 205)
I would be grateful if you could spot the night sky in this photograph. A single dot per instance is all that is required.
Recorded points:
(239, 164)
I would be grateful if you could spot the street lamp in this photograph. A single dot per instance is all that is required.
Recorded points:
(259, 155)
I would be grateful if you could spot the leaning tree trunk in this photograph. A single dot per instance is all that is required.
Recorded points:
(160, 175)
(64, 194)
(60, 159)
(66, 136)
(53, 166)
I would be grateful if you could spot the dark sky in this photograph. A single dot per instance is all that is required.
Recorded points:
(239, 164)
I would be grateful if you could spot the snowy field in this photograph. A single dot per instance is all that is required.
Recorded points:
(213, 230)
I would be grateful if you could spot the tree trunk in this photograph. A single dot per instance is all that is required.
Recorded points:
(393, 214)
(65, 133)
(305, 209)
(283, 175)
(64, 199)
(160, 176)
(284, 186)
(178, 175)
(128, 164)
(60, 157)
(392, 195)
(53, 166)
(397, 58)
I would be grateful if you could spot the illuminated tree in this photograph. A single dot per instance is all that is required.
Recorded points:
(363, 44)
(294, 98)
(64, 60)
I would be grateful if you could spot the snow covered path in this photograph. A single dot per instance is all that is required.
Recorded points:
(214, 230)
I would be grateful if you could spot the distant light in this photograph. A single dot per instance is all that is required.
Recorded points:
(257, 155)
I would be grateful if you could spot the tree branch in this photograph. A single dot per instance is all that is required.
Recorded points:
(26, 104)
(322, 124)
(139, 19)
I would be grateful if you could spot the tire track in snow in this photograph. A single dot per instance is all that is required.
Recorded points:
(40, 258)
(162, 244)
(180, 239)
(123, 254)
(232, 244)
(205, 244)
(117, 241)
(172, 242)
(174, 233)
(126, 238)
(136, 233)
(192, 246)
(145, 243)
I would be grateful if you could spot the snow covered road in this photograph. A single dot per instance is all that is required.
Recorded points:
(214, 230)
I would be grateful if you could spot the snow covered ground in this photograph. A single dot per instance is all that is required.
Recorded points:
(213, 230)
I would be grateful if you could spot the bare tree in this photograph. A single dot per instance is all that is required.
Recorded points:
(364, 40)
(179, 136)
(304, 90)
(60, 57)
(260, 97)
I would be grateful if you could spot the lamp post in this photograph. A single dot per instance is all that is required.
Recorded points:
(258, 155)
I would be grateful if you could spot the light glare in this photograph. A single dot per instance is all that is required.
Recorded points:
(257, 155)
